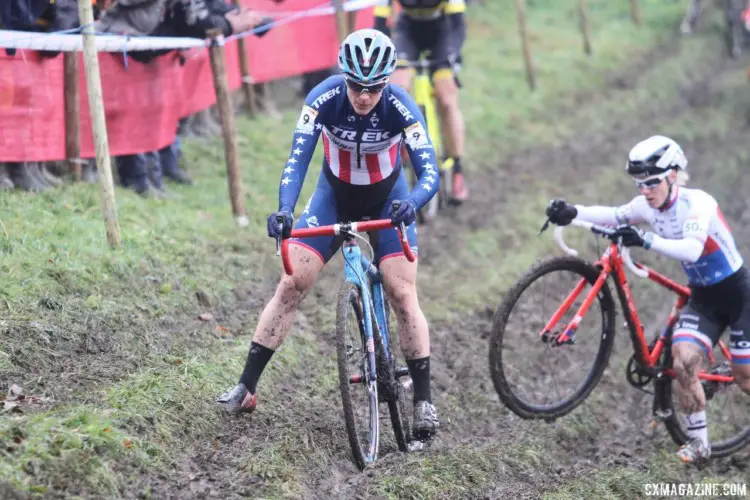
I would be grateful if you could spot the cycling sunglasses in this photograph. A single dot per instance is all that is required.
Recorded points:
(651, 182)
(375, 88)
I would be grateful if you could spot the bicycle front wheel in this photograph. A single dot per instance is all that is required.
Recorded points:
(359, 391)
(534, 375)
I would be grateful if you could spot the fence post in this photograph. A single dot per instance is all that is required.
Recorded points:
(342, 23)
(96, 106)
(72, 114)
(635, 11)
(247, 82)
(583, 11)
(228, 130)
(526, 47)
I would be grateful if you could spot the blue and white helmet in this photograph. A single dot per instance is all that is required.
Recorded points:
(367, 56)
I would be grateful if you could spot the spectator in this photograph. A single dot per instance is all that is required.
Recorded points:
(174, 18)
(38, 16)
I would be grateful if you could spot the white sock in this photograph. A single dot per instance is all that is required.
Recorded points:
(696, 426)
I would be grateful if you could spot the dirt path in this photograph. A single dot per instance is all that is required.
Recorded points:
(221, 466)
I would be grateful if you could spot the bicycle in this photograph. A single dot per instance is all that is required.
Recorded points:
(424, 97)
(650, 361)
(368, 344)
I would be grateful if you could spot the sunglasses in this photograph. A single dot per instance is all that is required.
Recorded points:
(375, 88)
(651, 182)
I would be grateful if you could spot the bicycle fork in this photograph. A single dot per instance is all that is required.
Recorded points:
(567, 336)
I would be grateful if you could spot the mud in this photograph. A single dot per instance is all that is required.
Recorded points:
(221, 466)
(618, 413)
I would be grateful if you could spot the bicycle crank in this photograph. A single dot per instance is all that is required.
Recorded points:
(637, 375)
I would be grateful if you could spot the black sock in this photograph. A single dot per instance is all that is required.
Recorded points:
(419, 369)
(256, 362)
(456, 164)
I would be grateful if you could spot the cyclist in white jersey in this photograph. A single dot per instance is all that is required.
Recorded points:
(688, 226)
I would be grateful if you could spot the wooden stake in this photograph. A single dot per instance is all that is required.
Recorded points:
(583, 12)
(72, 114)
(247, 82)
(228, 129)
(96, 106)
(635, 11)
(525, 45)
(342, 24)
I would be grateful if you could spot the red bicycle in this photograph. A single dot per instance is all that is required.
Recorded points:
(538, 358)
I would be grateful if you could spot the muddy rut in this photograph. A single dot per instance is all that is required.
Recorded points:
(221, 466)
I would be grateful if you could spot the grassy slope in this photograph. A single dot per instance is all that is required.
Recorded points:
(150, 371)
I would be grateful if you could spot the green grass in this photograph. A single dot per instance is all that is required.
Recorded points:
(73, 450)
(140, 394)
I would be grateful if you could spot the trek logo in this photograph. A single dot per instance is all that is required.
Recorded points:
(369, 136)
(400, 107)
(324, 97)
(347, 135)
(375, 136)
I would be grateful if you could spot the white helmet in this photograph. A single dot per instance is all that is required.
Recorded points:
(654, 156)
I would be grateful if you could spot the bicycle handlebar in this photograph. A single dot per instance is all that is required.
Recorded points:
(639, 270)
(345, 228)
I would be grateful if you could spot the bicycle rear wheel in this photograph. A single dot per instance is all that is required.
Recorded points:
(359, 392)
(726, 412)
(525, 369)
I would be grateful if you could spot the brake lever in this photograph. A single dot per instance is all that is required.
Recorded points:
(280, 221)
(544, 227)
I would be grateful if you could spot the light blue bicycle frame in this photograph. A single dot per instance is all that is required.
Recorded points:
(366, 276)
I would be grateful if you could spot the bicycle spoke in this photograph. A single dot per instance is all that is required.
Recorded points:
(534, 374)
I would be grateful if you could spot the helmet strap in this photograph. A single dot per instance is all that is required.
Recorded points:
(668, 201)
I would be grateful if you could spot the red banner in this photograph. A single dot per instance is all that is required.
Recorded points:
(144, 102)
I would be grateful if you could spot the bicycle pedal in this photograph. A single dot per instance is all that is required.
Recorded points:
(661, 416)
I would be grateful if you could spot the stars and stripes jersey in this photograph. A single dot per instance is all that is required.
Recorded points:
(692, 214)
(360, 150)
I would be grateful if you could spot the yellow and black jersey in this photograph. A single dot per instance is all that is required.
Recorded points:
(421, 9)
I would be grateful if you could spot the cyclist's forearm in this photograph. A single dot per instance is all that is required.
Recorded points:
(295, 169)
(604, 216)
(684, 250)
(424, 162)
(458, 31)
